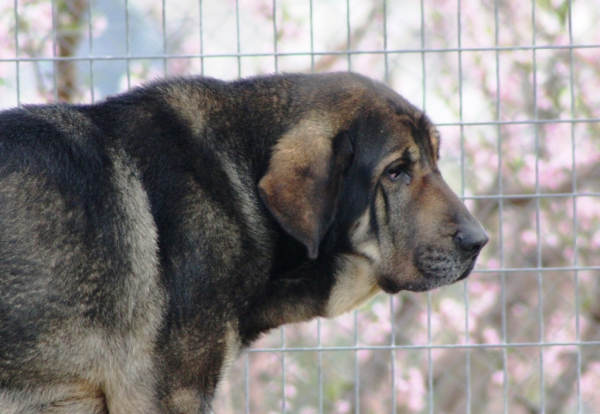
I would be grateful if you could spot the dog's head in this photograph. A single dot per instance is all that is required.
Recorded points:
(359, 171)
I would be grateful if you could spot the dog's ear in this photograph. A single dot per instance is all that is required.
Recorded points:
(303, 180)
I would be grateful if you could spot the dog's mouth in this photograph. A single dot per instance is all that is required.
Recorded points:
(390, 285)
(432, 275)
(468, 270)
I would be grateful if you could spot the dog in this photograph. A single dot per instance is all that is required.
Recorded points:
(147, 239)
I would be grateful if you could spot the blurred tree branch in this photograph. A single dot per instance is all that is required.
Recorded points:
(357, 34)
(69, 19)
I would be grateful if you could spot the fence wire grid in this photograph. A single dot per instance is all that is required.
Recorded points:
(512, 85)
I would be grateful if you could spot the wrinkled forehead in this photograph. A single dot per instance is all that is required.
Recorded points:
(404, 117)
(379, 111)
(426, 138)
(413, 133)
(396, 137)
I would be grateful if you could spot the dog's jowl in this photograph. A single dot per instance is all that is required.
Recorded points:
(147, 239)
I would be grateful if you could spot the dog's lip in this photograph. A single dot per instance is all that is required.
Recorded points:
(468, 270)
(393, 285)
(389, 284)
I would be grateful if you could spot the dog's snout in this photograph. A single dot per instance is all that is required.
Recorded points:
(471, 238)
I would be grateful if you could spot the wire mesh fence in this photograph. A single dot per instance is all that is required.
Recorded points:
(513, 87)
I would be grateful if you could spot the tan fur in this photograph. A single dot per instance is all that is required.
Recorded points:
(118, 368)
(232, 345)
(58, 399)
(185, 101)
(128, 380)
(435, 140)
(297, 176)
(388, 159)
(355, 284)
(185, 400)
(248, 202)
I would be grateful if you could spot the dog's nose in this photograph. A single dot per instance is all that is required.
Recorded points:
(471, 238)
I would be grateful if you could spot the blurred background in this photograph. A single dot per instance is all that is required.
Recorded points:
(514, 86)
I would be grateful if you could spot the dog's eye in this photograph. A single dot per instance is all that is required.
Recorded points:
(398, 173)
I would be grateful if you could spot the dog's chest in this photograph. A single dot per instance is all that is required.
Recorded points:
(232, 347)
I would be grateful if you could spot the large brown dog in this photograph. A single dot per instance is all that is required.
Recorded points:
(147, 239)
